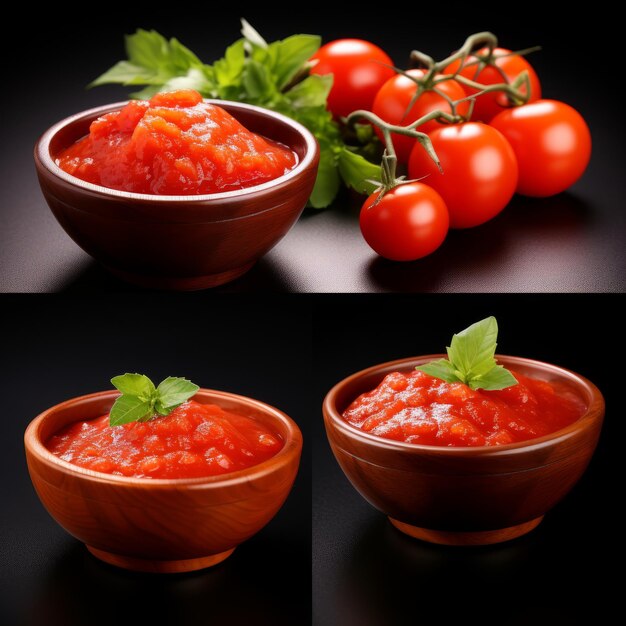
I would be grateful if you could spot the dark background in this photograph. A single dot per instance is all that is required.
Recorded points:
(56, 348)
(366, 573)
(572, 242)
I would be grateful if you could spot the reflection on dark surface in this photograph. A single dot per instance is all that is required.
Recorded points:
(93, 278)
(389, 578)
(555, 224)
(77, 589)
(563, 213)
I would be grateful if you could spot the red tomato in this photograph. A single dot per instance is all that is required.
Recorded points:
(552, 144)
(408, 223)
(359, 69)
(479, 171)
(490, 104)
(392, 105)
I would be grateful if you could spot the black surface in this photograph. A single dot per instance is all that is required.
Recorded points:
(572, 242)
(55, 349)
(366, 573)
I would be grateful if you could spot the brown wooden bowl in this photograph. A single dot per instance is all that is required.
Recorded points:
(161, 525)
(463, 496)
(178, 242)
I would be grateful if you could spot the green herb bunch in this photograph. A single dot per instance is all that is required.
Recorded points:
(272, 75)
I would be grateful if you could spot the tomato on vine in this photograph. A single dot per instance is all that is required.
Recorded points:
(552, 144)
(403, 221)
(393, 105)
(407, 223)
(478, 174)
(468, 171)
(359, 69)
(490, 67)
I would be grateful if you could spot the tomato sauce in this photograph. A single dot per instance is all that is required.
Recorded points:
(417, 408)
(174, 144)
(194, 440)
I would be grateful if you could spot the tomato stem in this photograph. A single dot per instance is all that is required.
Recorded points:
(472, 44)
(513, 90)
(389, 178)
(409, 130)
(475, 41)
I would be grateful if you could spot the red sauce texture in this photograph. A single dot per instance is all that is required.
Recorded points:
(174, 144)
(194, 440)
(417, 408)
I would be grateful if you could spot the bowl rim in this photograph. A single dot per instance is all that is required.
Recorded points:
(594, 411)
(292, 444)
(42, 150)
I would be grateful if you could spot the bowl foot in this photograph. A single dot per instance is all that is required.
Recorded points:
(474, 538)
(159, 567)
(171, 283)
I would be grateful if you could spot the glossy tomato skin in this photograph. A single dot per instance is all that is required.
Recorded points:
(408, 223)
(359, 69)
(552, 144)
(479, 171)
(392, 105)
(490, 104)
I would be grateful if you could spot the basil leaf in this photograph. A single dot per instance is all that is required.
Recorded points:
(357, 172)
(194, 79)
(496, 378)
(442, 368)
(311, 92)
(256, 80)
(327, 181)
(174, 391)
(472, 349)
(291, 55)
(147, 48)
(153, 60)
(227, 71)
(134, 385)
(250, 34)
(125, 73)
(181, 57)
(128, 409)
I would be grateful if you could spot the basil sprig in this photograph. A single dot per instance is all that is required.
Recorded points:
(141, 400)
(471, 359)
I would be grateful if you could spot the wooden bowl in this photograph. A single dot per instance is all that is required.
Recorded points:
(161, 525)
(463, 496)
(178, 242)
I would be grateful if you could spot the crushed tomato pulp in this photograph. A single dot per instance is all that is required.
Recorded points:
(194, 440)
(417, 408)
(174, 144)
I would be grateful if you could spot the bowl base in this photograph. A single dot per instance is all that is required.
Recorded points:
(159, 567)
(171, 283)
(474, 538)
